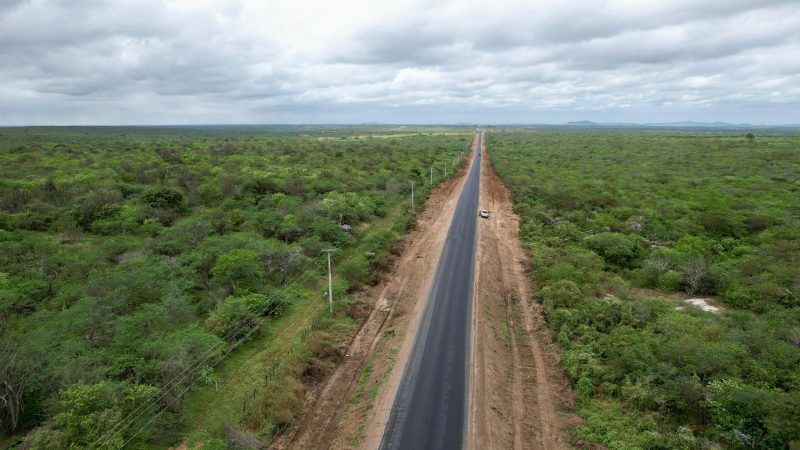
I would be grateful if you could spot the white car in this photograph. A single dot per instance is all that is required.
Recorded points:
(484, 213)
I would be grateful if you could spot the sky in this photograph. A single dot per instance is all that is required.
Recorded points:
(141, 62)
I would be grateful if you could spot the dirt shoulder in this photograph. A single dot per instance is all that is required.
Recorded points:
(351, 408)
(519, 396)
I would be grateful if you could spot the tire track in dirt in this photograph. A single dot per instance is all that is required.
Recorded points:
(344, 413)
(519, 396)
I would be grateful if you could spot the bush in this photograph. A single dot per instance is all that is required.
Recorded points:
(613, 247)
(260, 185)
(736, 413)
(756, 224)
(561, 294)
(99, 204)
(355, 271)
(670, 281)
(719, 224)
(15, 199)
(163, 197)
(584, 389)
(239, 315)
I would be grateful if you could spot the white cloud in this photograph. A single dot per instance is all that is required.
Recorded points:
(218, 61)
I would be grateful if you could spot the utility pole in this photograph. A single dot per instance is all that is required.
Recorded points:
(330, 279)
(412, 195)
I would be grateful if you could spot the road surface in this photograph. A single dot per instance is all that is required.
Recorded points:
(429, 411)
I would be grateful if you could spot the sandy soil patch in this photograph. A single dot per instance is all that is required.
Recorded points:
(704, 304)
(707, 304)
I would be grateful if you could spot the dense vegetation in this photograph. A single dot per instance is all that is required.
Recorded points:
(620, 226)
(132, 257)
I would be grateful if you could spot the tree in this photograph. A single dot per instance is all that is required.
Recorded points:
(163, 197)
(695, 273)
(238, 269)
(613, 247)
(290, 261)
(89, 412)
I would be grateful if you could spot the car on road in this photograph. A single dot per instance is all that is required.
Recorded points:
(484, 213)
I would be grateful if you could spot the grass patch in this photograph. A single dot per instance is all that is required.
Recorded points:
(362, 381)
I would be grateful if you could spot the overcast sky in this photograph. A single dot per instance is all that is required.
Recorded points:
(350, 61)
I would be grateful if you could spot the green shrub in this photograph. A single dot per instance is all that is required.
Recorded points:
(615, 248)
(719, 224)
(163, 197)
(670, 281)
(355, 271)
(237, 316)
(737, 412)
(561, 294)
(757, 224)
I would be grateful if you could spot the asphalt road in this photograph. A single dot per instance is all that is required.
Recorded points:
(429, 411)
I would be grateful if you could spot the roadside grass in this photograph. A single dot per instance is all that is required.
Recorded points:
(359, 436)
(492, 320)
(362, 381)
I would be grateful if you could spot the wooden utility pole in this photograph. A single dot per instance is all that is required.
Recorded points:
(330, 279)
(412, 195)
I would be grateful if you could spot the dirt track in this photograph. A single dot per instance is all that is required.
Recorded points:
(519, 396)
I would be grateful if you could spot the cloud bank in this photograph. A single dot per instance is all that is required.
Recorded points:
(294, 61)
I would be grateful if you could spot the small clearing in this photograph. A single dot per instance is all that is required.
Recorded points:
(704, 304)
